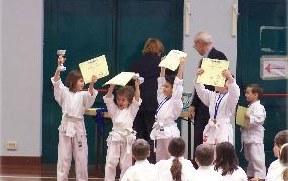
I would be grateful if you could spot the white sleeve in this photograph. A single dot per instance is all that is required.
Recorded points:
(135, 106)
(89, 99)
(177, 89)
(160, 95)
(59, 91)
(203, 94)
(234, 94)
(110, 104)
(127, 175)
(190, 166)
(258, 116)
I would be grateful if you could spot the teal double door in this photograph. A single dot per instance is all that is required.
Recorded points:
(90, 28)
(262, 31)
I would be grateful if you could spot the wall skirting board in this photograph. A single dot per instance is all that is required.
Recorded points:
(20, 160)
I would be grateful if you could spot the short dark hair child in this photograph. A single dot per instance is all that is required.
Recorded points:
(204, 154)
(140, 149)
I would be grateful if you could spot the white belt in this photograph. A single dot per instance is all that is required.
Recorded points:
(127, 134)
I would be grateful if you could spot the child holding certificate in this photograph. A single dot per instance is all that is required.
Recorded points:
(253, 134)
(169, 94)
(222, 103)
(72, 132)
(122, 136)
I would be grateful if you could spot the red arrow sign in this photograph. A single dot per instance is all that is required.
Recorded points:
(269, 68)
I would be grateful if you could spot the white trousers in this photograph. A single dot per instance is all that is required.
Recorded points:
(162, 152)
(117, 150)
(255, 155)
(217, 133)
(66, 147)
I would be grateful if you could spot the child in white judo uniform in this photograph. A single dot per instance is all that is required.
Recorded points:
(142, 170)
(276, 167)
(226, 163)
(204, 158)
(176, 167)
(222, 103)
(72, 132)
(121, 137)
(170, 106)
(253, 134)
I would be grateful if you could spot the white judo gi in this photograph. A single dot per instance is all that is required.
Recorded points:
(221, 131)
(142, 171)
(205, 173)
(252, 137)
(275, 171)
(72, 132)
(165, 165)
(165, 127)
(121, 137)
(237, 175)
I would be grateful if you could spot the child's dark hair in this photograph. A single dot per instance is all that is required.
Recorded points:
(140, 149)
(170, 79)
(126, 91)
(283, 156)
(226, 158)
(256, 89)
(72, 78)
(176, 148)
(204, 154)
(281, 138)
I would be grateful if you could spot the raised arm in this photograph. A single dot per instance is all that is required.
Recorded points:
(57, 72)
(137, 90)
(91, 86)
(162, 72)
(181, 68)
(203, 94)
(110, 91)
(108, 100)
(59, 88)
(233, 89)
(90, 96)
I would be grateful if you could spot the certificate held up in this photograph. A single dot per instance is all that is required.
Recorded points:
(96, 66)
(122, 78)
(172, 60)
(213, 72)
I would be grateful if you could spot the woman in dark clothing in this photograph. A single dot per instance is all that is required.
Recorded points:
(148, 68)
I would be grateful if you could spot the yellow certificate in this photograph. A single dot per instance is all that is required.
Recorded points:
(213, 72)
(172, 60)
(96, 66)
(240, 116)
(122, 78)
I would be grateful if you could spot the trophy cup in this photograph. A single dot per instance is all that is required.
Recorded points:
(61, 53)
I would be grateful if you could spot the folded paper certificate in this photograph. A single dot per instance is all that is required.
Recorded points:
(213, 72)
(122, 78)
(172, 60)
(96, 66)
(240, 116)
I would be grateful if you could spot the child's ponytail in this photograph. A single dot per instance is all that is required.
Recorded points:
(176, 169)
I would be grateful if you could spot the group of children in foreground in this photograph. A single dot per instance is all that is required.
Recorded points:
(218, 132)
